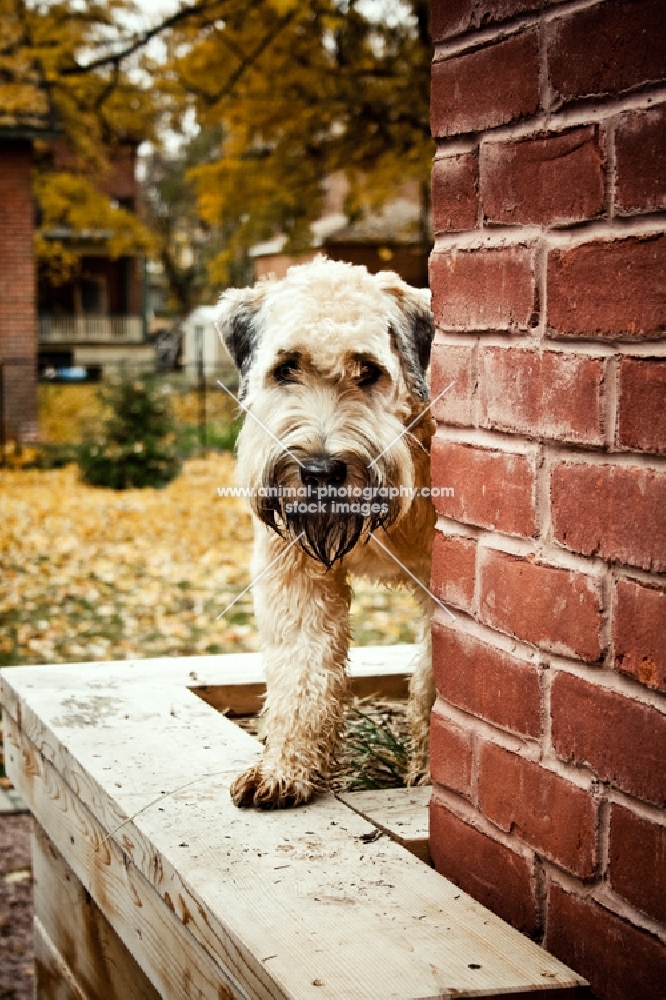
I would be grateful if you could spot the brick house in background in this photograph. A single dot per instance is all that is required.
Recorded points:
(99, 317)
(549, 293)
(94, 320)
(398, 237)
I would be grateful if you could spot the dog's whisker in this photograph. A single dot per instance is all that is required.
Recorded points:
(414, 578)
(260, 423)
(258, 577)
(414, 421)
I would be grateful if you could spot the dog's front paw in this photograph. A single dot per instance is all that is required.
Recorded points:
(265, 790)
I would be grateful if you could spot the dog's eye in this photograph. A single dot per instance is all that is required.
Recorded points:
(286, 371)
(369, 373)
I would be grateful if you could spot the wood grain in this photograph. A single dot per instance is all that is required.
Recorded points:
(85, 940)
(53, 978)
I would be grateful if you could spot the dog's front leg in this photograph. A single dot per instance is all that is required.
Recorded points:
(302, 613)
(421, 699)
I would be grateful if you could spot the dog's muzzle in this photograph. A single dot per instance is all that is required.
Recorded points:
(318, 502)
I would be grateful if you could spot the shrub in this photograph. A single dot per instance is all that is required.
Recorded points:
(137, 444)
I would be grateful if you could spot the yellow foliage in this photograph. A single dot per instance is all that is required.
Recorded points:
(93, 574)
(42, 84)
(65, 411)
(219, 406)
(75, 205)
(302, 91)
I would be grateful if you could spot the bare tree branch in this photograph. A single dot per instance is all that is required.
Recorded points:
(245, 64)
(115, 58)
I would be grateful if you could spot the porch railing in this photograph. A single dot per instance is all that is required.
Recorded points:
(90, 329)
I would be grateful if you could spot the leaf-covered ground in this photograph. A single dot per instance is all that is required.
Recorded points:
(92, 574)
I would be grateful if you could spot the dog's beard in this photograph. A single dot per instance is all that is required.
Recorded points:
(325, 536)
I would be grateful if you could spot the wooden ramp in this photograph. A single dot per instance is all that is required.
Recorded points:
(149, 882)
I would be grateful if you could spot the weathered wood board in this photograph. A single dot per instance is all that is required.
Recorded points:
(84, 943)
(128, 773)
(402, 813)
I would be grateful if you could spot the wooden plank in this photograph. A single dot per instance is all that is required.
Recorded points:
(53, 978)
(175, 963)
(298, 903)
(333, 924)
(247, 699)
(393, 687)
(232, 699)
(401, 813)
(79, 932)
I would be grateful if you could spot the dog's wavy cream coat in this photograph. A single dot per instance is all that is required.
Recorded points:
(332, 364)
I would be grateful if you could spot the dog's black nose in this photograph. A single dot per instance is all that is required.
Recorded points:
(322, 472)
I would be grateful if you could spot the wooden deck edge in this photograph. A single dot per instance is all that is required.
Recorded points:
(248, 698)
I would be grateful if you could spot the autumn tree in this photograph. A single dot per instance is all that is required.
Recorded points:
(292, 90)
(301, 89)
(184, 243)
(54, 66)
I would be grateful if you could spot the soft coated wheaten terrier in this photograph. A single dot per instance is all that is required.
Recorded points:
(332, 364)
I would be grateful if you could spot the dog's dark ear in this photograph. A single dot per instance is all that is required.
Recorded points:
(414, 330)
(238, 327)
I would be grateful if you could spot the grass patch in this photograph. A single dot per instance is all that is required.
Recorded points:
(376, 746)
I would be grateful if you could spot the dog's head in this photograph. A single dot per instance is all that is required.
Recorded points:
(332, 363)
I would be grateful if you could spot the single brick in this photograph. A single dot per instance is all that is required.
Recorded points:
(551, 394)
(620, 961)
(642, 405)
(640, 161)
(455, 195)
(558, 609)
(540, 808)
(638, 861)
(622, 740)
(450, 755)
(486, 681)
(611, 511)
(544, 180)
(453, 568)
(495, 876)
(453, 17)
(490, 290)
(452, 364)
(639, 633)
(490, 86)
(493, 489)
(606, 49)
(610, 290)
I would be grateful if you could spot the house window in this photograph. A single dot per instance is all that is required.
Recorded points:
(92, 296)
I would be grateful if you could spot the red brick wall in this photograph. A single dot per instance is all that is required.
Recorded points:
(549, 293)
(18, 325)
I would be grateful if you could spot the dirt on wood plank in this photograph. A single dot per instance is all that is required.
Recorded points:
(16, 908)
